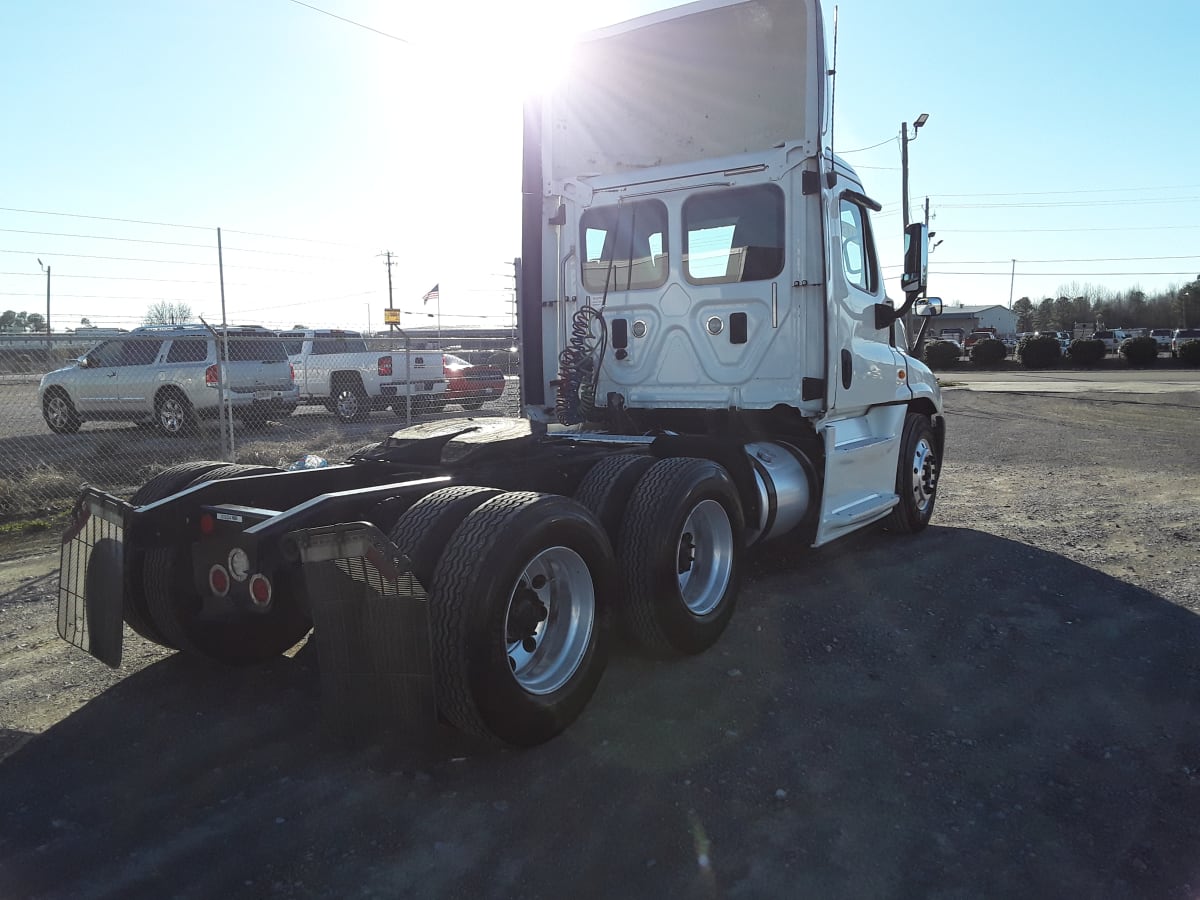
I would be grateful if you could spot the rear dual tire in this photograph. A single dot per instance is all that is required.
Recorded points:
(518, 601)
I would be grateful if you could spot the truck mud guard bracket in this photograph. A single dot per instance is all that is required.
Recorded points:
(371, 626)
(92, 576)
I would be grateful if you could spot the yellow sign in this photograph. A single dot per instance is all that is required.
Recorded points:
(391, 317)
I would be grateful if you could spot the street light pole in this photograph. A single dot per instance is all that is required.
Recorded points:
(47, 271)
(904, 139)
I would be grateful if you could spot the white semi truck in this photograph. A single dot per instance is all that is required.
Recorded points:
(709, 363)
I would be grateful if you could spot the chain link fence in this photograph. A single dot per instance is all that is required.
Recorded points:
(113, 409)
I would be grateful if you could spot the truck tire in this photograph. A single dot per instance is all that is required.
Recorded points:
(167, 482)
(917, 472)
(519, 612)
(679, 555)
(423, 530)
(607, 487)
(224, 634)
(60, 413)
(349, 401)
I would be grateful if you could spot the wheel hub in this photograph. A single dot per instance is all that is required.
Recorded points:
(550, 618)
(925, 474)
(528, 612)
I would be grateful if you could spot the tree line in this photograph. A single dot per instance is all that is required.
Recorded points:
(20, 322)
(1099, 307)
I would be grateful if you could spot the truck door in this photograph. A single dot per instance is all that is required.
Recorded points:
(864, 369)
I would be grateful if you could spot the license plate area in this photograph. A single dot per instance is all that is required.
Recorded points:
(265, 395)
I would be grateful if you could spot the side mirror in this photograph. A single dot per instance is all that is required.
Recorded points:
(928, 306)
(916, 259)
(84, 362)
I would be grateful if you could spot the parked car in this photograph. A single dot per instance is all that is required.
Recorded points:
(1163, 336)
(470, 385)
(171, 375)
(1112, 338)
(1182, 336)
(976, 336)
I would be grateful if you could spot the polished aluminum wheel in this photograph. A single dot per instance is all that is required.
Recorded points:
(347, 405)
(549, 621)
(705, 557)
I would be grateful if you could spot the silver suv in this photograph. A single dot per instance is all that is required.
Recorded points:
(170, 375)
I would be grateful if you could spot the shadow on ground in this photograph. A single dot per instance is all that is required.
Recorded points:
(874, 724)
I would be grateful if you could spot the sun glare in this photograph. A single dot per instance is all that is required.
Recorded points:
(500, 51)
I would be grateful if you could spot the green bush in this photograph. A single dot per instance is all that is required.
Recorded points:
(942, 354)
(988, 352)
(1087, 351)
(1139, 352)
(1189, 353)
(1041, 351)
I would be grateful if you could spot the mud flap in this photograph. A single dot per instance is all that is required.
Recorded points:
(91, 578)
(371, 626)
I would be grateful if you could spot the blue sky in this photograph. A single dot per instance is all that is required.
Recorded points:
(1057, 131)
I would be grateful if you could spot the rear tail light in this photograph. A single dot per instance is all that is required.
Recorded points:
(260, 590)
(212, 375)
(218, 580)
(208, 524)
(385, 365)
(291, 373)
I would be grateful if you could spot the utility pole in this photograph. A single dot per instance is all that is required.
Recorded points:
(1011, 281)
(47, 268)
(388, 263)
(927, 212)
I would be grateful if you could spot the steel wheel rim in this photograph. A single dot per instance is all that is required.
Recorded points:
(347, 404)
(172, 415)
(57, 411)
(544, 655)
(704, 557)
(924, 474)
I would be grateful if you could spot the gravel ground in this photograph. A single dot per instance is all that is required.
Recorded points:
(1006, 704)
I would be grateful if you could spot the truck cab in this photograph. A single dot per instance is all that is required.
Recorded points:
(696, 254)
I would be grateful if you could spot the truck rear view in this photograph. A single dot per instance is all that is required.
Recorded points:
(710, 364)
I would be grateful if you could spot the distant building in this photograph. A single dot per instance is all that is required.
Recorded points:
(975, 318)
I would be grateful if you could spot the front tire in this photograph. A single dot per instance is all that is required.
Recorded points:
(519, 612)
(917, 472)
(680, 556)
(60, 413)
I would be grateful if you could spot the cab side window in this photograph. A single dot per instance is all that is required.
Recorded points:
(858, 249)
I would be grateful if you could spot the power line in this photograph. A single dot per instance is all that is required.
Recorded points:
(105, 237)
(351, 21)
(1068, 203)
(864, 149)
(124, 278)
(1180, 187)
(43, 212)
(1057, 230)
(1005, 262)
(1065, 274)
(277, 237)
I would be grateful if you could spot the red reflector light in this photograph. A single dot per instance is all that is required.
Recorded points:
(260, 590)
(218, 581)
(212, 375)
(292, 370)
(207, 524)
(385, 365)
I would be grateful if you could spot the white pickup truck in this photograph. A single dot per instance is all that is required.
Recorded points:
(336, 369)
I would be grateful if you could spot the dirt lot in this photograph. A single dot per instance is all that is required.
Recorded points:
(1005, 705)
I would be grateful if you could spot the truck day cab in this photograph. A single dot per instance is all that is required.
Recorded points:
(710, 363)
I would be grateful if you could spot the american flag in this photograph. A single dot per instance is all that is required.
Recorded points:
(431, 294)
